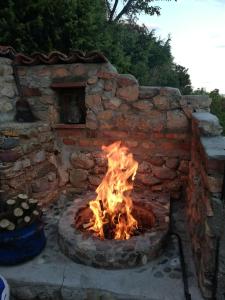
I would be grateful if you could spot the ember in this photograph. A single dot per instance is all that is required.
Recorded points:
(112, 208)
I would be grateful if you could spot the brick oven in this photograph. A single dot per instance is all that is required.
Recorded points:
(80, 103)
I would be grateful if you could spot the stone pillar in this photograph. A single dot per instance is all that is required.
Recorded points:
(8, 91)
(204, 206)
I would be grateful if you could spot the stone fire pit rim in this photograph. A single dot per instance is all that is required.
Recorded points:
(93, 251)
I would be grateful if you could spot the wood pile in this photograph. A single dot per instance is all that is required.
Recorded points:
(18, 212)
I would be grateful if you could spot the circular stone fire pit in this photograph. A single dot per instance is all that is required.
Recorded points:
(151, 210)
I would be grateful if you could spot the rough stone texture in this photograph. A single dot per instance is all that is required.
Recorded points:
(25, 161)
(205, 211)
(78, 177)
(177, 121)
(8, 91)
(128, 93)
(153, 120)
(208, 124)
(138, 250)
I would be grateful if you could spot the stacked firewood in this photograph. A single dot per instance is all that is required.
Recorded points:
(18, 212)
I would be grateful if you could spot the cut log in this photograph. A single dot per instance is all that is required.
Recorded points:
(32, 201)
(22, 197)
(11, 202)
(36, 213)
(25, 206)
(88, 225)
(11, 226)
(27, 219)
(4, 223)
(18, 212)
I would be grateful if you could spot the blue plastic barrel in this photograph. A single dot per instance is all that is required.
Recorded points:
(21, 244)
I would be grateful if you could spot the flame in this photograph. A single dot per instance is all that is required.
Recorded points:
(113, 205)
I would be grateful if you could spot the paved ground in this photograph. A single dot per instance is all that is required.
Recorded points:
(51, 275)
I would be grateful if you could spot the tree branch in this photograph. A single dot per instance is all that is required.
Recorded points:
(124, 10)
(108, 7)
(113, 10)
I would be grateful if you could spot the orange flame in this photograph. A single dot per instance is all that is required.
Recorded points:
(113, 204)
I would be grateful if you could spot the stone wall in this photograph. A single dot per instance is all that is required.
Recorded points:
(153, 122)
(204, 205)
(26, 155)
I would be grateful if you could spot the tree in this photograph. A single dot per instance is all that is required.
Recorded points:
(117, 9)
(218, 106)
(45, 25)
(183, 79)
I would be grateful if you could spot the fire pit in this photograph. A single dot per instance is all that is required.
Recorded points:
(115, 230)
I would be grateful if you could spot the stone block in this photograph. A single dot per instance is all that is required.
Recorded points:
(172, 163)
(148, 92)
(177, 121)
(155, 120)
(95, 180)
(148, 179)
(92, 100)
(163, 172)
(78, 178)
(214, 147)
(109, 85)
(143, 105)
(112, 103)
(169, 91)
(5, 105)
(40, 185)
(8, 90)
(196, 101)
(156, 161)
(105, 115)
(161, 102)
(125, 80)
(207, 123)
(97, 88)
(214, 184)
(92, 80)
(81, 160)
(78, 69)
(30, 92)
(60, 72)
(7, 143)
(128, 93)
(9, 155)
(184, 167)
(38, 157)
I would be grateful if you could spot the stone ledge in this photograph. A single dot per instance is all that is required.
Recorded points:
(208, 124)
(69, 126)
(196, 101)
(214, 147)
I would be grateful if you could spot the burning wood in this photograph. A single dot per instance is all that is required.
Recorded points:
(88, 225)
(112, 209)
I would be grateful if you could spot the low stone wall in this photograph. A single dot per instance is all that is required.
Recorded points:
(204, 205)
(26, 154)
(153, 122)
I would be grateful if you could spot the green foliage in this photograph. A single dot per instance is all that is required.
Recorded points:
(136, 50)
(54, 24)
(64, 25)
(218, 106)
(118, 10)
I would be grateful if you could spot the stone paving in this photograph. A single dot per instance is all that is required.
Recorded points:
(51, 275)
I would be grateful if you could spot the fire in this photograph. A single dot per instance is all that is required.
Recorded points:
(112, 208)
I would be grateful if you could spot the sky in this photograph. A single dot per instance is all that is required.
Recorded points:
(197, 30)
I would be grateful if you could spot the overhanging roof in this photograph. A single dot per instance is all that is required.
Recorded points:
(54, 57)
